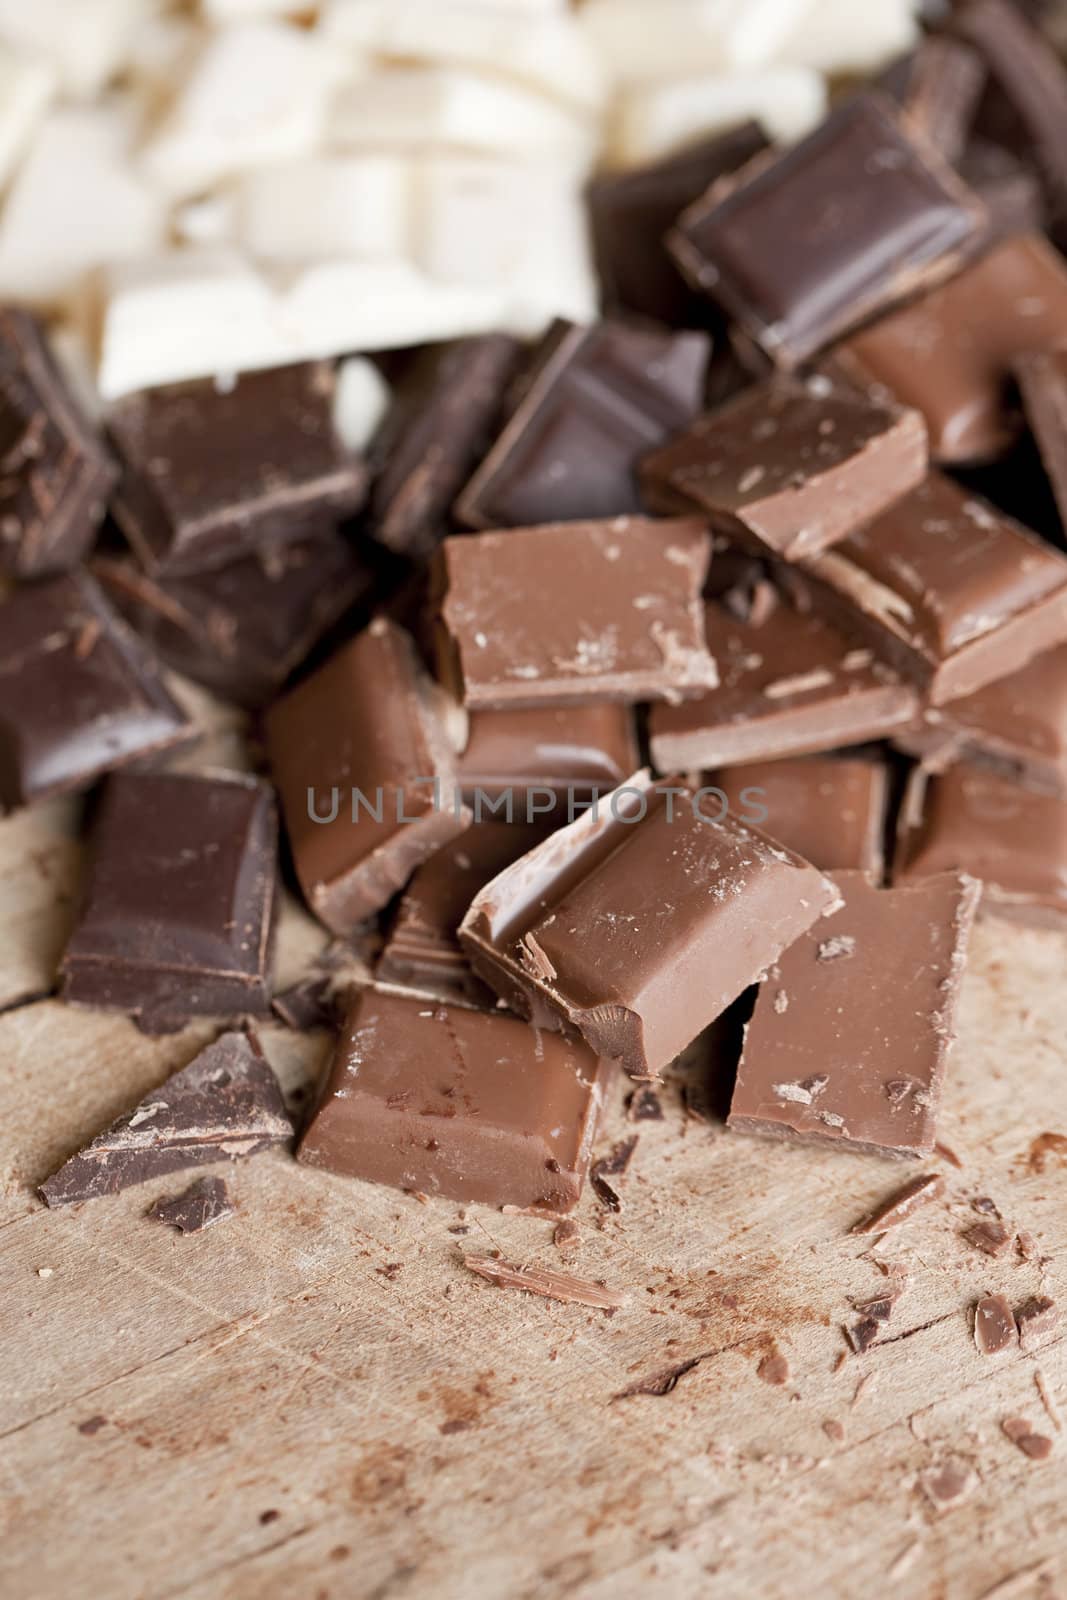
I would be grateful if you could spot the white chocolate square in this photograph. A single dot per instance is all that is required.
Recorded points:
(85, 40)
(846, 36)
(681, 38)
(357, 205)
(657, 119)
(27, 84)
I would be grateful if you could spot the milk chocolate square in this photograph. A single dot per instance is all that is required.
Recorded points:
(830, 810)
(852, 1029)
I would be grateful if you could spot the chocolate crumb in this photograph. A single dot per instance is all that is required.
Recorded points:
(204, 1203)
(949, 1482)
(994, 1325)
(567, 1236)
(612, 1165)
(992, 1238)
(902, 1204)
(92, 1425)
(659, 1383)
(1036, 1318)
(1035, 1445)
(1045, 1149)
(986, 1206)
(550, 1285)
(834, 1430)
(879, 1307)
(644, 1105)
(862, 1335)
(774, 1367)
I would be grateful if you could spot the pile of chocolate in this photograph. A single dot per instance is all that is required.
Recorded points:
(616, 676)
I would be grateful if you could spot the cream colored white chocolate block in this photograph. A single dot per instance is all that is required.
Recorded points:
(326, 206)
(657, 119)
(27, 84)
(360, 401)
(84, 40)
(679, 38)
(851, 35)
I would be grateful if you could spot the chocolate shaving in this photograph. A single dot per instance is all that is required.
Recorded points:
(992, 1238)
(1036, 1318)
(567, 1236)
(994, 1325)
(204, 1203)
(774, 1367)
(949, 1482)
(612, 1165)
(550, 1285)
(863, 1334)
(903, 1204)
(660, 1383)
(1035, 1445)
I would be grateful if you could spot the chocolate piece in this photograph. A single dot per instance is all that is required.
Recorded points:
(1042, 378)
(939, 86)
(204, 1203)
(994, 1325)
(950, 355)
(789, 468)
(550, 1285)
(1029, 75)
(903, 1203)
(861, 1335)
(631, 211)
(1034, 1319)
(243, 629)
(991, 1237)
(806, 243)
(462, 1103)
(791, 685)
(624, 623)
(363, 766)
(1009, 190)
(1016, 727)
(832, 812)
(857, 1053)
(439, 426)
(637, 926)
(611, 1166)
(1035, 1445)
(422, 948)
(215, 470)
(178, 916)
(949, 1482)
(1013, 839)
(55, 474)
(643, 1104)
(312, 1003)
(598, 400)
(573, 752)
(225, 1104)
(952, 592)
(79, 693)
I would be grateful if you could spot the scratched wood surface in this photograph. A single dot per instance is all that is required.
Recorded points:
(316, 1400)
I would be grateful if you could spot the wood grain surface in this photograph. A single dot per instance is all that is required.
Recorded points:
(315, 1399)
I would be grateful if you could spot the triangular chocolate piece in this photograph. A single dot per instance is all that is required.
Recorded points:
(205, 1202)
(225, 1103)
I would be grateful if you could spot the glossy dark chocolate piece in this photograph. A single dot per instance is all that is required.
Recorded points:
(364, 768)
(572, 752)
(422, 949)
(939, 86)
(599, 398)
(215, 470)
(638, 925)
(179, 908)
(225, 1104)
(572, 612)
(79, 693)
(55, 473)
(444, 413)
(1031, 79)
(830, 810)
(205, 1202)
(791, 684)
(1042, 379)
(1016, 726)
(950, 591)
(631, 211)
(243, 629)
(449, 1100)
(852, 1029)
(804, 244)
(951, 354)
(788, 468)
(1012, 838)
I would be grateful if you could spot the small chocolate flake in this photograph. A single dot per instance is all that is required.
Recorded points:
(612, 1165)
(863, 1334)
(1035, 1445)
(92, 1425)
(644, 1105)
(902, 1204)
(949, 1482)
(994, 1325)
(1045, 1149)
(1036, 1318)
(204, 1203)
(879, 1307)
(658, 1384)
(774, 1367)
(834, 1430)
(550, 1285)
(567, 1236)
(992, 1238)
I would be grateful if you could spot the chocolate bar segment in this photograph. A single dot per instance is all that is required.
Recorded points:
(832, 811)
(1012, 838)
(1016, 727)
(788, 468)
(447, 1100)
(514, 760)
(791, 685)
(79, 694)
(225, 1104)
(215, 470)
(636, 926)
(179, 910)
(363, 764)
(422, 949)
(1042, 379)
(243, 629)
(55, 473)
(803, 245)
(631, 211)
(444, 413)
(852, 1029)
(574, 612)
(952, 593)
(599, 399)
(951, 354)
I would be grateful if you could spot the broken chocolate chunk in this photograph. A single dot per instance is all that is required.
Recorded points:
(994, 1325)
(204, 1203)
